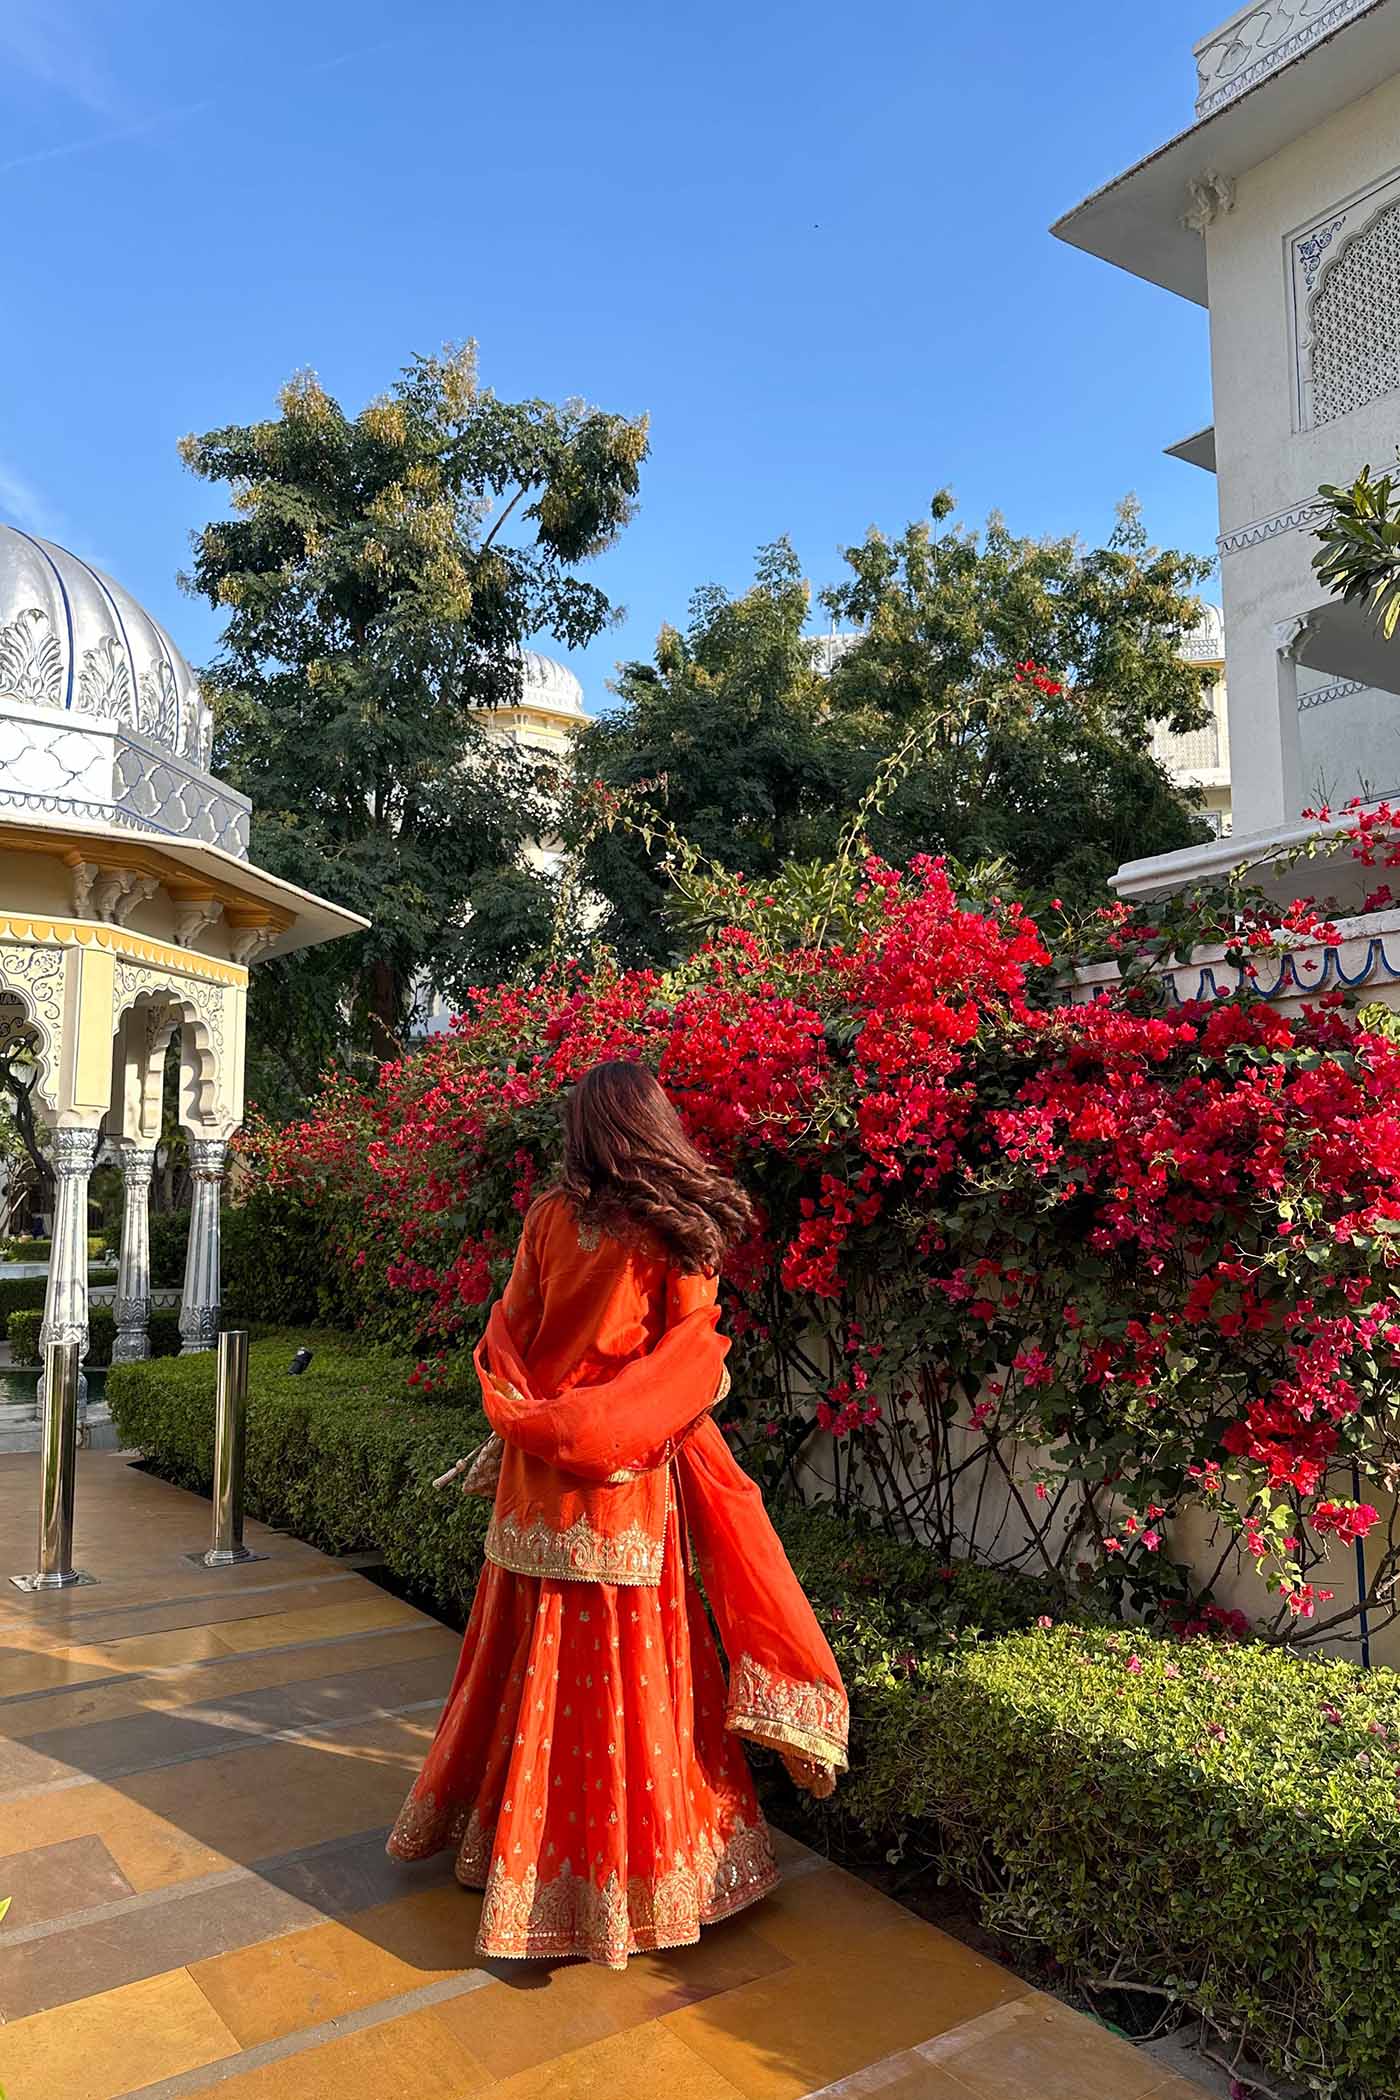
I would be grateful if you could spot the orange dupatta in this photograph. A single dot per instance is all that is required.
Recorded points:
(589, 1471)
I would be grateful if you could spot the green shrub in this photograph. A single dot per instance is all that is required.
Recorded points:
(274, 1265)
(99, 1247)
(169, 1233)
(21, 1294)
(26, 1293)
(1218, 1825)
(23, 1330)
(344, 1456)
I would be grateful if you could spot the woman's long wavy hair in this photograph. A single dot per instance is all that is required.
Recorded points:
(630, 1169)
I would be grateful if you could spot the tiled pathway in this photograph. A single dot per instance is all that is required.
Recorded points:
(196, 1774)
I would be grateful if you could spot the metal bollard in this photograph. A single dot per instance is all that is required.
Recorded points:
(230, 1437)
(58, 1465)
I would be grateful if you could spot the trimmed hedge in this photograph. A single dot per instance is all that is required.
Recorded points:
(26, 1293)
(343, 1455)
(22, 1294)
(273, 1261)
(1219, 1825)
(42, 1250)
(23, 1330)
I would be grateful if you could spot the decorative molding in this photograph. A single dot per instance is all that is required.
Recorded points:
(1261, 41)
(208, 1158)
(74, 1151)
(1323, 695)
(1313, 246)
(192, 918)
(1298, 519)
(1290, 635)
(34, 977)
(65, 933)
(1211, 197)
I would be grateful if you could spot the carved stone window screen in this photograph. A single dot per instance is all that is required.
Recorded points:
(1356, 322)
(1345, 271)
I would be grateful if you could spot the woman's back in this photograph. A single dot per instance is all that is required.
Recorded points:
(582, 1303)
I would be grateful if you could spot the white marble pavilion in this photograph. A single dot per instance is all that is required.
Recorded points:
(1278, 209)
(130, 915)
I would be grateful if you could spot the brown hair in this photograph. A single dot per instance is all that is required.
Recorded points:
(630, 1169)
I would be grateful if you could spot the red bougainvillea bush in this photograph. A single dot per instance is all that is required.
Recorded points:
(1032, 1277)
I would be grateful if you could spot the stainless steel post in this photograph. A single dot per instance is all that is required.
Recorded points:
(230, 1439)
(58, 1463)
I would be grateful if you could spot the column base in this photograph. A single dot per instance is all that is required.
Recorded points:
(219, 1557)
(36, 1584)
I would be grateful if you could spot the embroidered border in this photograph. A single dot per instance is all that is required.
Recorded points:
(770, 1708)
(631, 1558)
(571, 1914)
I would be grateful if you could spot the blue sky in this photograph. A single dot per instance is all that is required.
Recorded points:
(809, 240)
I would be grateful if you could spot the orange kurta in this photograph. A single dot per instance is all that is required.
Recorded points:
(586, 1768)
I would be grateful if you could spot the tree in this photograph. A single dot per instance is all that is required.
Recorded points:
(758, 758)
(380, 574)
(1359, 558)
(726, 734)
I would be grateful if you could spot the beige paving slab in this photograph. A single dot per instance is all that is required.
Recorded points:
(790, 2034)
(415, 2056)
(1038, 2049)
(113, 2044)
(106, 1698)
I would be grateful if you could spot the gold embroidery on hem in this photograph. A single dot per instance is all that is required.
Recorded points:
(770, 1708)
(571, 1914)
(631, 1558)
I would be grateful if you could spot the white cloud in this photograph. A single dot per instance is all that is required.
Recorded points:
(45, 40)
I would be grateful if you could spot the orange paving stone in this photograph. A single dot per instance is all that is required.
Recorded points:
(341, 1976)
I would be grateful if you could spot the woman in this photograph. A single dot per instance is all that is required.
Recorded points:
(586, 1767)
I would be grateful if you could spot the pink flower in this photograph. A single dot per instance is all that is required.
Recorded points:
(1044, 1624)
(1133, 1666)
(1152, 1540)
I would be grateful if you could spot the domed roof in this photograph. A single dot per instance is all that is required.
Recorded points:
(1206, 641)
(550, 685)
(72, 639)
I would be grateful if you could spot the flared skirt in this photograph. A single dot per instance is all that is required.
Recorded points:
(583, 1774)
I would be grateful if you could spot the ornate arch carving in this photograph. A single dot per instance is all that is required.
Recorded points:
(34, 976)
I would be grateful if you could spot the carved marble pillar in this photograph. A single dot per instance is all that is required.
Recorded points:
(66, 1299)
(133, 1305)
(199, 1309)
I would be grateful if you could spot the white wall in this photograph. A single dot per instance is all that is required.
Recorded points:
(1269, 467)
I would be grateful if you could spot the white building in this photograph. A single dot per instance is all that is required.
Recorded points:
(1279, 211)
(1200, 758)
(542, 724)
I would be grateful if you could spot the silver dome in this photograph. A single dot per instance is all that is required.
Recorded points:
(72, 639)
(550, 685)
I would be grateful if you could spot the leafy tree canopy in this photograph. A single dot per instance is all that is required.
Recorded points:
(757, 755)
(379, 573)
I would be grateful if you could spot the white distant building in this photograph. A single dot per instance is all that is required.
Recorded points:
(543, 724)
(1200, 758)
(1279, 211)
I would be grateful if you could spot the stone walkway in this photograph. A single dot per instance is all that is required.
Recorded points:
(196, 1773)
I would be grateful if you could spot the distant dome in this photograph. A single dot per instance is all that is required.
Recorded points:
(550, 685)
(1205, 643)
(72, 639)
